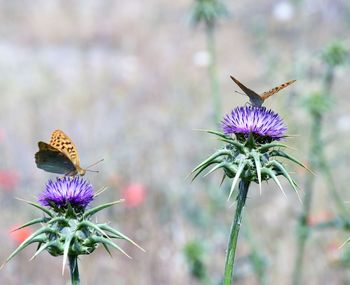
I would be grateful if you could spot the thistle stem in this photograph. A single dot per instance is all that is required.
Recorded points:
(324, 166)
(303, 227)
(331, 185)
(317, 160)
(74, 271)
(232, 243)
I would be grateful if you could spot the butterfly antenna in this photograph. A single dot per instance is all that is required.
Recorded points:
(240, 93)
(91, 165)
(95, 171)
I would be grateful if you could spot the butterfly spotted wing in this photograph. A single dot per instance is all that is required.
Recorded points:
(59, 156)
(256, 99)
(269, 93)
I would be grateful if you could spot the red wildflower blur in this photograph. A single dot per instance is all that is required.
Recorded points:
(134, 194)
(333, 252)
(8, 179)
(321, 217)
(20, 235)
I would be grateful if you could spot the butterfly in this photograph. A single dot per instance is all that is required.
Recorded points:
(257, 100)
(59, 156)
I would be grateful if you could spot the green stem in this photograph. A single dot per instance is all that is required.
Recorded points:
(256, 257)
(331, 186)
(214, 84)
(74, 271)
(328, 79)
(317, 161)
(232, 243)
(324, 166)
(303, 227)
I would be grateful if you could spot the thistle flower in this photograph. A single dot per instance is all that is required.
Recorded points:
(251, 155)
(66, 226)
(259, 121)
(65, 191)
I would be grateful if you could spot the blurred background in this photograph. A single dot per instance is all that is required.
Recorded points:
(130, 82)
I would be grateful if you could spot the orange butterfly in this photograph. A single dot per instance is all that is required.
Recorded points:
(59, 156)
(257, 100)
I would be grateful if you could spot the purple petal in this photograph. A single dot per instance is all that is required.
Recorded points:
(258, 120)
(74, 191)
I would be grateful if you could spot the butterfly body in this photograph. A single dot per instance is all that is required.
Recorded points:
(59, 156)
(257, 100)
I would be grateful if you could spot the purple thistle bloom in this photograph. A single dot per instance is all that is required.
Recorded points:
(258, 120)
(74, 191)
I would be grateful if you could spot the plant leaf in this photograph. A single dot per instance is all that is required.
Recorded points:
(67, 243)
(238, 174)
(36, 205)
(32, 222)
(291, 158)
(199, 171)
(257, 162)
(100, 207)
(287, 176)
(215, 168)
(212, 157)
(99, 239)
(118, 233)
(270, 173)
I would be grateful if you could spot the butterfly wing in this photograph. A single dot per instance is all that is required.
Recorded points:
(254, 98)
(52, 160)
(63, 143)
(269, 93)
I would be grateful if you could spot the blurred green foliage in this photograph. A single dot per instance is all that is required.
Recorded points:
(317, 103)
(335, 54)
(193, 251)
(208, 11)
(345, 256)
